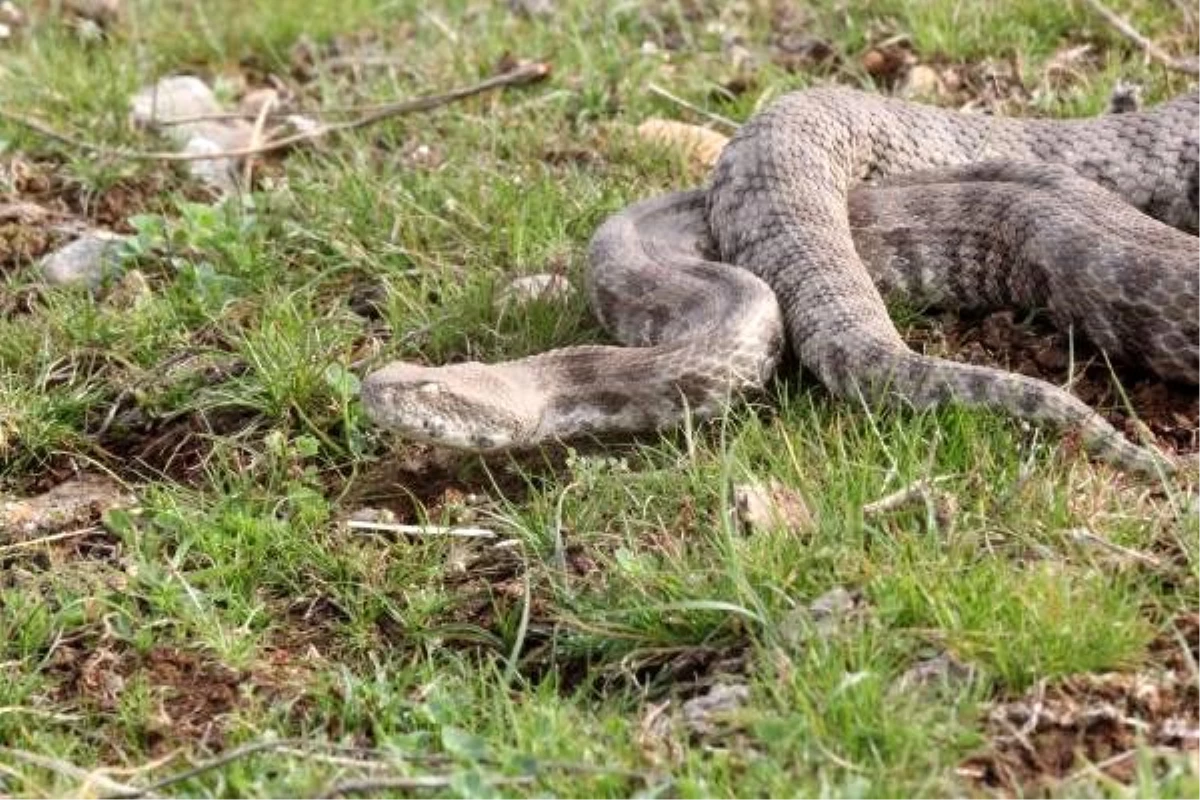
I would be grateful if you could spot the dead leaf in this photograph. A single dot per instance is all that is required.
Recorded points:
(131, 291)
(762, 507)
(702, 146)
(887, 61)
(656, 736)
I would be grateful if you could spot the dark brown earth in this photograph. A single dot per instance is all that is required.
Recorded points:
(1034, 348)
(1064, 729)
(193, 693)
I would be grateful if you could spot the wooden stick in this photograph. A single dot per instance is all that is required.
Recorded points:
(54, 537)
(421, 530)
(526, 73)
(1131, 33)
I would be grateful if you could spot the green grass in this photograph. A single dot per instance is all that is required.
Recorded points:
(623, 582)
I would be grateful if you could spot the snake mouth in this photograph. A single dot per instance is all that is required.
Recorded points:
(461, 406)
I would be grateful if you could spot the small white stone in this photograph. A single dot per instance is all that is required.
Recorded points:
(219, 173)
(302, 124)
(174, 97)
(83, 261)
(922, 82)
(546, 287)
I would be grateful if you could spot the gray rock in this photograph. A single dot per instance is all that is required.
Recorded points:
(705, 714)
(174, 97)
(184, 97)
(533, 8)
(530, 288)
(84, 261)
(219, 173)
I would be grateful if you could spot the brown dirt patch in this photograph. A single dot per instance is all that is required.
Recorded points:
(1056, 730)
(192, 694)
(179, 447)
(57, 538)
(1034, 348)
(45, 205)
(419, 479)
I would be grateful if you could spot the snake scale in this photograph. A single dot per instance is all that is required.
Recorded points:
(823, 204)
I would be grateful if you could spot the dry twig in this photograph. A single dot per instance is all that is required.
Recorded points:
(90, 780)
(717, 118)
(526, 73)
(918, 490)
(1086, 537)
(420, 530)
(373, 786)
(1190, 66)
(54, 537)
(256, 138)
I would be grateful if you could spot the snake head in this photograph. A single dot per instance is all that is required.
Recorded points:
(469, 406)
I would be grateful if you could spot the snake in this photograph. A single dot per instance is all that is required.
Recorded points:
(826, 205)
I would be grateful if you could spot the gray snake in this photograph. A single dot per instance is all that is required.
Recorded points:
(823, 204)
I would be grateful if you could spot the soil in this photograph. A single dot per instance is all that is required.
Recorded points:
(1061, 730)
(1034, 348)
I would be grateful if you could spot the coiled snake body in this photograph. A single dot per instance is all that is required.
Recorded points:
(823, 204)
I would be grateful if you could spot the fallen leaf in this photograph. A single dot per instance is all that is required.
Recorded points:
(762, 507)
(701, 145)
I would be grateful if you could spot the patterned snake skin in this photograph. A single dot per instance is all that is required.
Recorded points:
(823, 204)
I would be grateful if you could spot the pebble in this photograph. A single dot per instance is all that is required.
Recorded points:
(174, 97)
(546, 287)
(83, 261)
(922, 82)
(184, 96)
